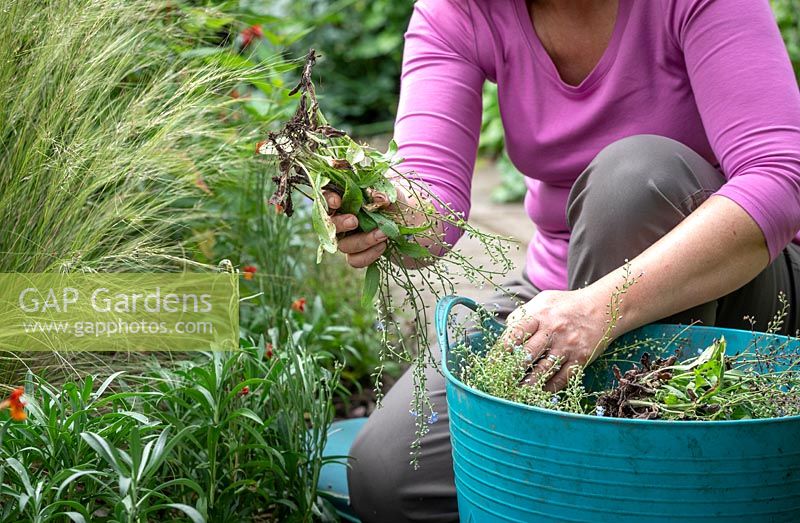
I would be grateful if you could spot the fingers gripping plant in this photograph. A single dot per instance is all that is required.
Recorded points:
(313, 157)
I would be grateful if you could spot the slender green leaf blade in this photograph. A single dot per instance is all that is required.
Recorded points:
(371, 284)
(386, 224)
(413, 250)
(353, 198)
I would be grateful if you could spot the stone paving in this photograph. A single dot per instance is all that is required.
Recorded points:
(504, 219)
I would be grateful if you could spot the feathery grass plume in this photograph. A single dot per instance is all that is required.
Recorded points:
(108, 133)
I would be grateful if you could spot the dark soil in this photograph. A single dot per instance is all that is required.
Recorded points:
(638, 383)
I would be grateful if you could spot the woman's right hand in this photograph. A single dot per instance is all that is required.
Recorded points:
(361, 248)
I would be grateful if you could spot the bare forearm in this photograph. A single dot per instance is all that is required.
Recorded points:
(714, 251)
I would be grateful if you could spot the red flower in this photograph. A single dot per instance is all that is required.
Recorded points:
(251, 33)
(299, 305)
(201, 184)
(245, 391)
(249, 271)
(279, 208)
(15, 404)
(268, 353)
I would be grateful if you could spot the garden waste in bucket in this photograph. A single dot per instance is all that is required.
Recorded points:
(515, 462)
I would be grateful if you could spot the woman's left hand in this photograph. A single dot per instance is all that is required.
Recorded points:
(559, 329)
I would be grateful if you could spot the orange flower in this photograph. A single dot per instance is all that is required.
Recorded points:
(15, 404)
(201, 184)
(268, 353)
(250, 34)
(249, 271)
(299, 305)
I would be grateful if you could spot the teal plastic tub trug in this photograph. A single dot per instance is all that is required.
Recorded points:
(519, 463)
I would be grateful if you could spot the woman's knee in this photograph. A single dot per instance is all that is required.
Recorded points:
(634, 192)
(633, 178)
(373, 470)
(383, 485)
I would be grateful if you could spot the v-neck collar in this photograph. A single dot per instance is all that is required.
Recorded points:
(600, 68)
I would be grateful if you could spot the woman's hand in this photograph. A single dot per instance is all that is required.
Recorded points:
(559, 329)
(361, 248)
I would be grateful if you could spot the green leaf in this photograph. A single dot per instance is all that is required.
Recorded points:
(106, 451)
(244, 413)
(355, 154)
(369, 177)
(371, 284)
(75, 517)
(365, 221)
(353, 198)
(17, 467)
(385, 186)
(107, 382)
(414, 230)
(413, 250)
(323, 226)
(191, 512)
(391, 151)
(73, 477)
(320, 220)
(386, 224)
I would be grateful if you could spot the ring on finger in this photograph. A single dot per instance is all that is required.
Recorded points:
(556, 360)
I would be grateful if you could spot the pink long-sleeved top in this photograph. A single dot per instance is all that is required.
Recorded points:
(712, 74)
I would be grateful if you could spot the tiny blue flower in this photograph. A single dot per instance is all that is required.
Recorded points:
(554, 399)
(600, 411)
(414, 413)
(433, 418)
(380, 325)
(699, 351)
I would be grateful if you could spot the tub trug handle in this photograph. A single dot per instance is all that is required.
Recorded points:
(443, 308)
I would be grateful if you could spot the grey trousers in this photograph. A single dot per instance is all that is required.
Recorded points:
(635, 191)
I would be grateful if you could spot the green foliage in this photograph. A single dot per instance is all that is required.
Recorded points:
(312, 157)
(709, 386)
(136, 153)
(507, 372)
(101, 143)
(761, 381)
(248, 232)
(106, 147)
(787, 13)
(227, 437)
(240, 227)
(361, 42)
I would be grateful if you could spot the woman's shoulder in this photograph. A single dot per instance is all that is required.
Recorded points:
(483, 16)
(476, 28)
(680, 14)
